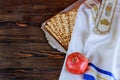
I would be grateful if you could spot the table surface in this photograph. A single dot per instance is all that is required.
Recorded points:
(24, 51)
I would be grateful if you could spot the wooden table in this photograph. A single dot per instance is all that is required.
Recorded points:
(24, 51)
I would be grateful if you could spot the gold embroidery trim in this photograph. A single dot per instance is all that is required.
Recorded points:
(104, 23)
(98, 76)
(94, 5)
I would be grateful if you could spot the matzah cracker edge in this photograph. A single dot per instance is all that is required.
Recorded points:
(61, 40)
(52, 41)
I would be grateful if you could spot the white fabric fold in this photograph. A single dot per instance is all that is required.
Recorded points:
(102, 51)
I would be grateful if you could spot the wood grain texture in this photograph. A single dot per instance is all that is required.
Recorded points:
(24, 51)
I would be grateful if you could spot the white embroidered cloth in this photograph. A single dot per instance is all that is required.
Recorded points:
(102, 51)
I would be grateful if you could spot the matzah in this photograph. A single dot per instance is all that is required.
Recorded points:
(61, 25)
